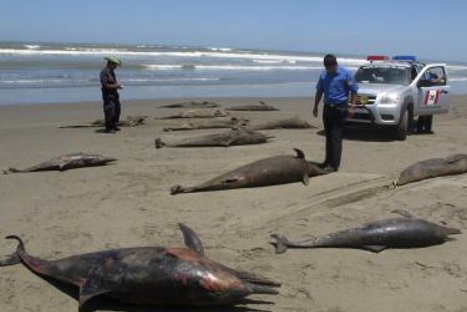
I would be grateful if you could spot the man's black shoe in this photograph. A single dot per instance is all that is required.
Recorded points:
(329, 169)
(117, 129)
(109, 131)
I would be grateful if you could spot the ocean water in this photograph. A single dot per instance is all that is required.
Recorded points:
(32, 73)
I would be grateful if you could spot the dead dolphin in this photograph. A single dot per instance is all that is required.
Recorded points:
(209, 124)
(434, 167)
(198, 114)
(149, 275)
(236, 136)
(130, 121)
(375, 236)
(288, 123)
(192, 104)
(268, 171)
(263, 107)
(68, 161)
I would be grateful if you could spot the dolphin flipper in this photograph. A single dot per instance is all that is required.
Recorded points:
(191, 239)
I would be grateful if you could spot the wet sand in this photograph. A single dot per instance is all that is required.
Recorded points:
(128, 204)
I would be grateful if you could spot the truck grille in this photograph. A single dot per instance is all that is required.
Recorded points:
(363, 99)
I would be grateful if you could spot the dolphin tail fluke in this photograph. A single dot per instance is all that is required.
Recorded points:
(10, 260)
(14, 258)
(11, 170)
(159, 143)
(279, 243)
(176, 189)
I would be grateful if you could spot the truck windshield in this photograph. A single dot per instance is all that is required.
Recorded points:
(383, 74)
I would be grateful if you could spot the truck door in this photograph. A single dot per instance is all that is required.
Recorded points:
(432, 89)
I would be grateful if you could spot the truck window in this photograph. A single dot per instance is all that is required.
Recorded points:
(436, 76)
(383, 74)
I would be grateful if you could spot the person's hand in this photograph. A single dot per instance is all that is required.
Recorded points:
(120, 87)
(315, 111)
(352, 109)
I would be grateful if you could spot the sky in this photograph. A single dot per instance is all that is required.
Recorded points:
(430, 29)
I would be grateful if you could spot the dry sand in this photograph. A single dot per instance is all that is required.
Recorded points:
(128, 204)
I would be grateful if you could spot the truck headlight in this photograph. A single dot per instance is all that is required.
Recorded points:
(389, 99)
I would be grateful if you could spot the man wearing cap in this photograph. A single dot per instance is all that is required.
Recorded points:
(110, 94)
(336, 83)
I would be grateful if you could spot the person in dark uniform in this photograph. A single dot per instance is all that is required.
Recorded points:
(335, 82)
(110, 94)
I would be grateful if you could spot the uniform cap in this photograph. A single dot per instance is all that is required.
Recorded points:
(114, 60)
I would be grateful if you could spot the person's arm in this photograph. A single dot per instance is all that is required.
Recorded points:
(318, 96)
(111, 86)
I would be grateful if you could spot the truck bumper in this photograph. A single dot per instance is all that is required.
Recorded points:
(369, 114)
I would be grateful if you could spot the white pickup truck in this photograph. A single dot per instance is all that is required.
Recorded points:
(396, 93)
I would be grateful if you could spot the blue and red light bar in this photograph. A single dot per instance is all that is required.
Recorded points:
(377, 58)
(410, 58)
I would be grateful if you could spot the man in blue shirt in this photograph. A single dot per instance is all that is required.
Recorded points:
(335, 82)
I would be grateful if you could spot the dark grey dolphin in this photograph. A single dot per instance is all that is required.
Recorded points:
(268, 171)
(434, 167)
(236, 136)
(375, 236)
(263, 107)
(68, 161)
(149, 275)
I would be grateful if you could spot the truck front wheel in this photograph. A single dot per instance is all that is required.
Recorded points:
(403, 126)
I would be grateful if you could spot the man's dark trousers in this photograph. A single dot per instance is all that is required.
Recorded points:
(333, 118)
(111, 110)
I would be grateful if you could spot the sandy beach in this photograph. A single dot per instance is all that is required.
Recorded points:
(128, 204)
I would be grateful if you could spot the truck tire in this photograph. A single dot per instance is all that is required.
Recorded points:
(403, 127)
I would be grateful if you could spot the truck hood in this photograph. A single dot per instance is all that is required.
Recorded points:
(378, 88)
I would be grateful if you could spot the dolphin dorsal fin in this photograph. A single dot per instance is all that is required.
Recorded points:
(191, 239)
(300, 153)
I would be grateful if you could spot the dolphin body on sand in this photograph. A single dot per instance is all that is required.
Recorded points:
(263, 107)
(64, 162)
(209, 124)
(197, 114)
(288, 123)
(236, 136)
(130, 121)
(149, 275)
(375, 236)
(268, 171)
(434, 167)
